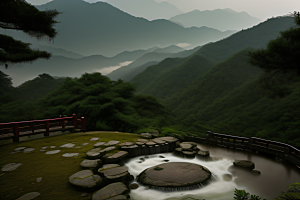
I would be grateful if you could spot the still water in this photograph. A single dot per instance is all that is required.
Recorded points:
(275, 176)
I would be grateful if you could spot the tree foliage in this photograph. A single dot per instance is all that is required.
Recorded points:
(20, 15)
(282, 55)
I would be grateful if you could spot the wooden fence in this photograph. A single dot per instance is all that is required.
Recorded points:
(16, 130)
(280, 150)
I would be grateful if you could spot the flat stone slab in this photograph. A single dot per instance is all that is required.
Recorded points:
(245, 164)
(186, 147)
(20, 148)
(146, 135)
(83, 144)
(94, 153)
(117, 157)
(140, 143)
(126, 144)
(98, 144)
(174, 174)
(85, 179)
(111, 191)
(68, 155)
(168, 139)
(69, 145)
(27, 150)
(108, 166)
(112, 142)
(90, 163)
(188, 154)
(159, 141)
(142, 140)
(29, 196)
(53, 152)
(39, 179)
(150, 143)
(108, 149)
(10, 167)
(194, 144)
(94, 139)
(115, 173)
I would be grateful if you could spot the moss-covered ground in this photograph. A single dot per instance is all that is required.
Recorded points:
(54, 169)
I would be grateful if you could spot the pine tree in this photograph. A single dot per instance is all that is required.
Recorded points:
(20, 15)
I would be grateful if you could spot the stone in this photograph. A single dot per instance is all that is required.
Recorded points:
(133, 186)
(178, 150)
(117, 157)
(255, 172)
(188, 154)
(150, 143)
(28, 150)
(203, 153)
(108, 166)
(126, 144)
(83, 144)
(29, 196)
(52, 147)
(161, 156)
(53, 152)
(68, 155)
(85, 179)
(118, 197)
(168, 139)
(94, 139)
(115, 173)
(186, 147)
(107, 149)
(143, 140)
(194, 144)
(227, 177)
(146, 135)
(99, 144)
(111, 191)
(112, 142)
(159, 141)
(44, 147)
(245, 164)
(91, 163)
(39, 179)
(69, 145)
(20, 148)
(10, 167)
(174, 174)
(140, 143)
(84, 194)
(94, 153)
(166, 160)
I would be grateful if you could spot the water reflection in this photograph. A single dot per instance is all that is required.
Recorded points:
(274, 178)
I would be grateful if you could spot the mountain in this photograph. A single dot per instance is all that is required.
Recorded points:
(148, 9)
(169, 49)
(58, 66)
(58, 51)
(256, 37)
(102, 29)
(129, 71)
(132, 55)
(221, 19)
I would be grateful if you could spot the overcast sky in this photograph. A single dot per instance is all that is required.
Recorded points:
(261, 9)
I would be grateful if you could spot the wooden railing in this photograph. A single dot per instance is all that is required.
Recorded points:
(16, 130)
(254, 144)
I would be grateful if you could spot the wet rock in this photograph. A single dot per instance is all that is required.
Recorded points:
(68, 155)
(227, 177)
(91, 163)
(10, 167)
(159, 141)
(161, 156)
(178, 151)
(188, 154)
(245, 164)
(168, 139)
(112, 142)
(85, 179)
(95, 153)
(146, 135)
(107, 166)
(117, 157)
(255, 172)
(94, 139)
(69, 145)
(133, 186)
(28, 150)
(20, 148)
(115, 174)
(126, 144)
(29, 196)
(186, 147)
(174, 174)
(166, 160)
(99, 144)
(53, 152)
(203, 153)
(111, 191)
(194, 144)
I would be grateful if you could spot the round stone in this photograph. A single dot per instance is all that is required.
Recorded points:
(244, 163)
(175, 175)
(53, 152)
(85, 179)
(69, 145)
(112, 142)
(68, 155)
(10, 167)
(27, 150)
(133, 186)
(99, 144)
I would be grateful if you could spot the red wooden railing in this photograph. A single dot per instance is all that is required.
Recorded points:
(13, 129)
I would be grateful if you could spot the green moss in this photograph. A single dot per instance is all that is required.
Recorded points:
(54, 169)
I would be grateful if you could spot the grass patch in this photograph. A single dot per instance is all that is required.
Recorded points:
(54, 169)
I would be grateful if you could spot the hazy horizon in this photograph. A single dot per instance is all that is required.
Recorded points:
(262, 9)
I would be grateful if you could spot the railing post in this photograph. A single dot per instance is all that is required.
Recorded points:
(16, 133)
(47, 128)
(75, 120)
(32, 127)
(62, 122)
(83, 124)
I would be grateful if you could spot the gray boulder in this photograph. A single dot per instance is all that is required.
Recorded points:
(117, 157)
(85, 179)
(108, 166)
(203, 153)
(95, 153)
(115, 174)
(112, 191)
(245, 164)
(91, 164)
